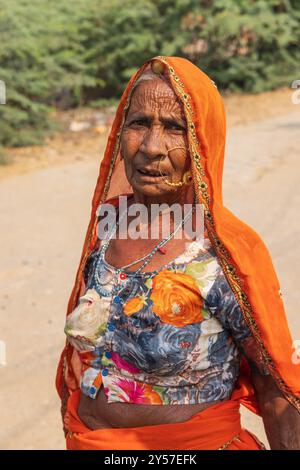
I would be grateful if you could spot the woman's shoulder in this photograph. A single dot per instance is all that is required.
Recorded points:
(201, 262)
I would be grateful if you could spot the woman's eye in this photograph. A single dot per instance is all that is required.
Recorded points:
(175, 127)
(138, 122)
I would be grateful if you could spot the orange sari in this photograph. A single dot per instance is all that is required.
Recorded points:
(241, 252)
(216, 428)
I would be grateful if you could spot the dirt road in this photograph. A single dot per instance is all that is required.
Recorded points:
(44, 216)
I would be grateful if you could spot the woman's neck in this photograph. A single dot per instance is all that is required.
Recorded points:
(184, 197)
(168, 200)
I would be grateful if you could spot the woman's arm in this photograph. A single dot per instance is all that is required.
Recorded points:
(281, 419)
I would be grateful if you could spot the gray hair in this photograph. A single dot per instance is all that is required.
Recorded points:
(149, 75)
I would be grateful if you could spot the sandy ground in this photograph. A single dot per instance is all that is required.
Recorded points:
(44, 216)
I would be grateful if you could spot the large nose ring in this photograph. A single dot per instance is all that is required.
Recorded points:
(173, 148)
(186, 178)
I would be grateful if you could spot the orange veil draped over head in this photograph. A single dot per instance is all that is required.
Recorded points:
(242, 253)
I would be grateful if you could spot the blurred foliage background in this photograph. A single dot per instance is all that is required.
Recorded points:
(61, 55)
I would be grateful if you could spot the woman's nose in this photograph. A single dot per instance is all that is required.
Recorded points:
(154, 144)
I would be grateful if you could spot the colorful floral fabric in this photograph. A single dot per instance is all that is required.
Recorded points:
(175, 342)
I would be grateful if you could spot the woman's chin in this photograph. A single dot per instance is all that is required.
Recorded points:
(150, 186)
(151, 189)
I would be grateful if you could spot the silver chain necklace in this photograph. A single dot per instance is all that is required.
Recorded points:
(120, 278)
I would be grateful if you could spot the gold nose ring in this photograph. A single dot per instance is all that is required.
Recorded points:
(186, 178)
(173, 148)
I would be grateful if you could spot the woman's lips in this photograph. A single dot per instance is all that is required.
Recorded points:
(150, 175)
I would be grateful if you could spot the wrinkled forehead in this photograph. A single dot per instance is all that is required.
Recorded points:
(155, 95)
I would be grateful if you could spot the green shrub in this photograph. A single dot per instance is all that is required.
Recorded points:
(82, 52)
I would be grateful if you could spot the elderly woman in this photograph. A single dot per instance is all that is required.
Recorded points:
(167, 337)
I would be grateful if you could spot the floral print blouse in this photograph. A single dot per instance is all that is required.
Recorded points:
(176, 341)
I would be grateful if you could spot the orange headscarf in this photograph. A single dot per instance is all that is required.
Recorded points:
(243, 255)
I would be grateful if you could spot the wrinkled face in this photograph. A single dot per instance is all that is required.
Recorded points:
(154, 124)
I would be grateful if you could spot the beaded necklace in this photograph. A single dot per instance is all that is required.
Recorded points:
(123, 280)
